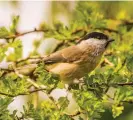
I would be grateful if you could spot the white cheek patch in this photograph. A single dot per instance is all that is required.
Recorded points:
(99, 45)
(94, 41)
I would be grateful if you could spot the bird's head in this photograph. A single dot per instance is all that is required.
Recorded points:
(95, 42)
(97, 39)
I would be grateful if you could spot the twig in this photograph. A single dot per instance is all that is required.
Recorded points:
(130, 101)
(6, 94)
(114, 84)
(30, 57)
(27, 93)
(108, 53)
(75, 114)
(28, 80)
(20, 75)
(108, 62)
(59, 46)
(125, 22)
(21, 34)
(124, 84)
(37, 86)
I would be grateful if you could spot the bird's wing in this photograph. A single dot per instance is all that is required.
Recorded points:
(69, 55)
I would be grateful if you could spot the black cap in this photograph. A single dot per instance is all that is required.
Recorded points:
(96, 35)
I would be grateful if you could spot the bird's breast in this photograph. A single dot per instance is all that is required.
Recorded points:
(70, 71)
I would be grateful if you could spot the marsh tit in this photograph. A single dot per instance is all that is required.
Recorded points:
(75, 61)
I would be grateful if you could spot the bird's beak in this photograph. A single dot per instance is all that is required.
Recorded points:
(110, 40)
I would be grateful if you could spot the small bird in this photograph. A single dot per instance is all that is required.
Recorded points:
(73, 62)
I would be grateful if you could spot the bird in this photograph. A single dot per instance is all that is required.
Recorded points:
(74, 62)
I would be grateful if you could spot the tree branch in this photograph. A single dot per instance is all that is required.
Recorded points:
(21, 34)
(115, 84)
(27, 93)
(6, 94)
(125, 84)
(108, 62)
(75, 114)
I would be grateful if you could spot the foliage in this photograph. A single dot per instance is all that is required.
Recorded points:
(115, 71)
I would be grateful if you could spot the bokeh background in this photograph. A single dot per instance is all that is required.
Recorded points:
(34, 14)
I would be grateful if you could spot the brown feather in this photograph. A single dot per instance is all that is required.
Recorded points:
(72, 62)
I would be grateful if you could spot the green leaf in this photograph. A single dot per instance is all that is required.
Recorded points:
(117, 110)
(65, 117)
(88, 102)
(80, 118)
(44, 77)
(63, 102)
(130, 64)
(13, 27)
(4, 112)
(45, 111)
(17, 46)
(2, 53)
(14, 114)
(3, 32)
(12, 84)
(4, 102)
